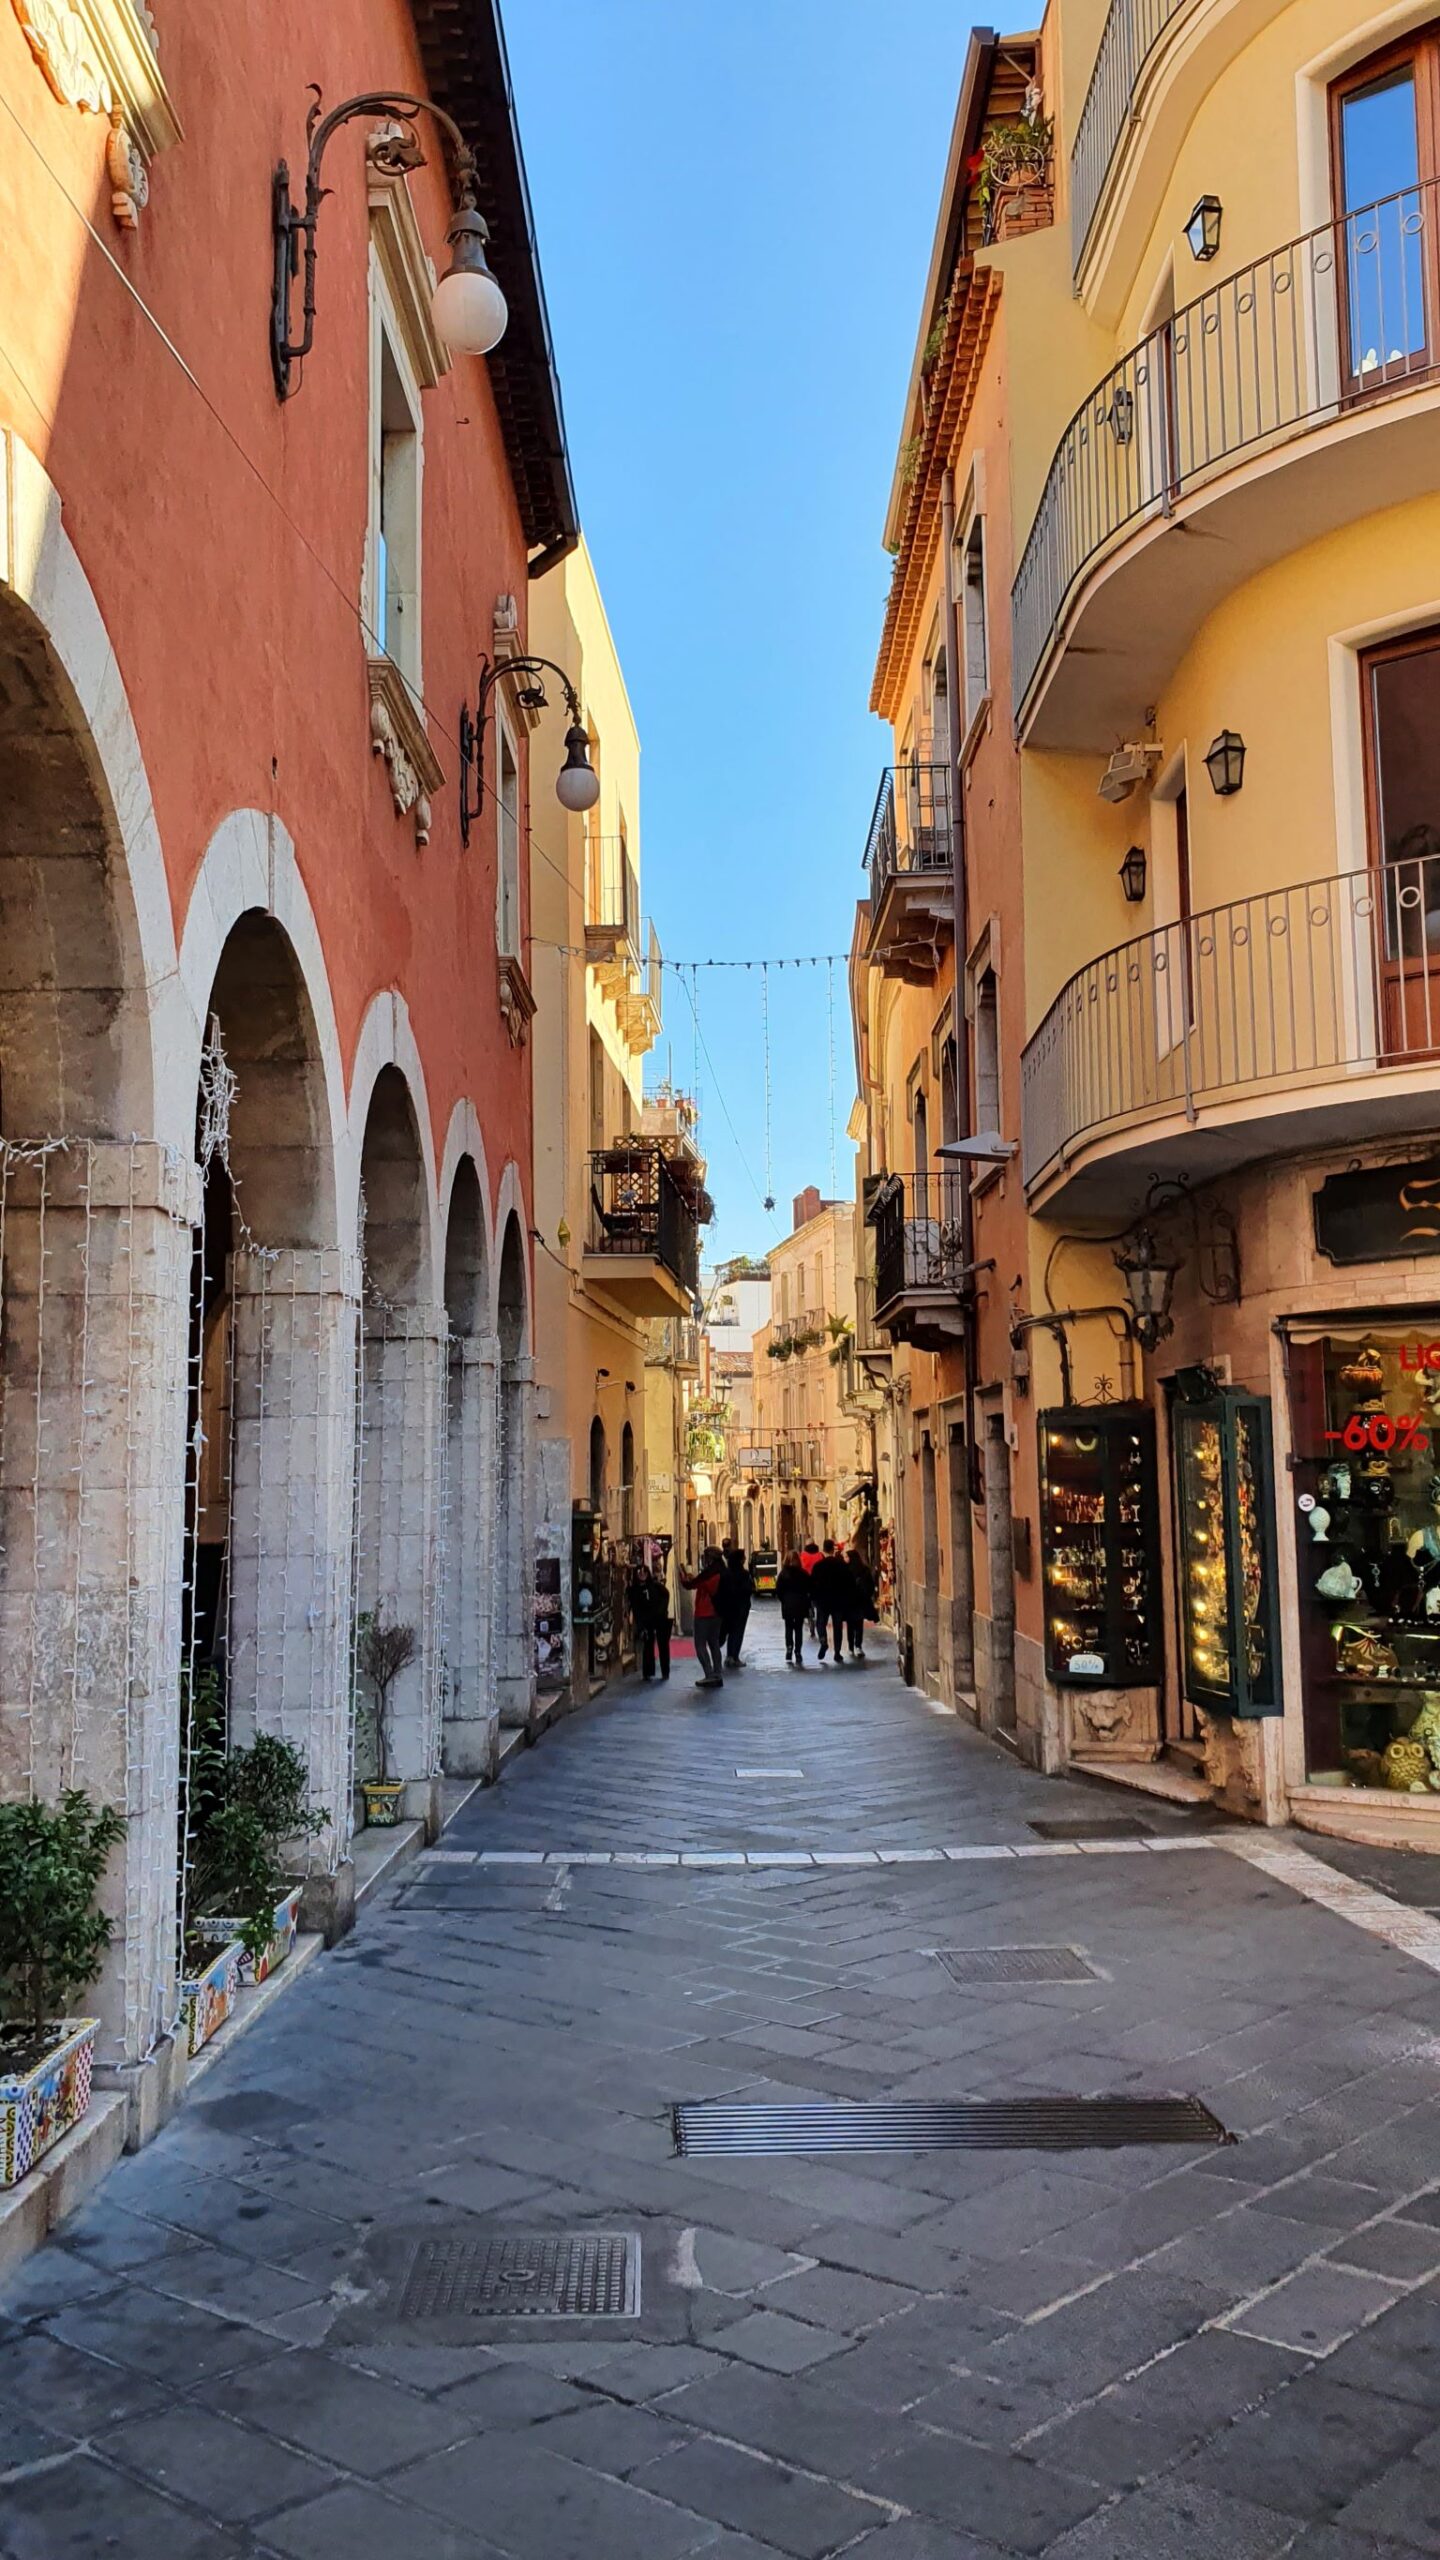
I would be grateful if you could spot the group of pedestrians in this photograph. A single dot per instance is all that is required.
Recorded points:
(831, 1593)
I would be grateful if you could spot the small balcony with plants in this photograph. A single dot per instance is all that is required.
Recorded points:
(648, 1203)
(910, 865)
(920, 1275)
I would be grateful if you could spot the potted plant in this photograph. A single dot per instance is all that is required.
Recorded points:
(250, 1805)
(52, 1944)
(1014, 174)
(383, 1649)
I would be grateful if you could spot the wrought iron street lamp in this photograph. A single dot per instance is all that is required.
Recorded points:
(1148, 1272)
(1132, 875)
(468, 307)
(577, 785)
(1203, 229)
(1225, 763)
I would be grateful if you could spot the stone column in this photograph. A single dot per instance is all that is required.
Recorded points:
(96, 1242)
(471, 1735)
(292, 1516)
(401, 1462)
(515, 1546)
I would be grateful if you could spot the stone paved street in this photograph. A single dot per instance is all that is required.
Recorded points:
(1146, 2354)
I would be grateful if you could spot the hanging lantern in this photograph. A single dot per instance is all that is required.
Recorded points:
(1132, 875)
(1149, 1276)
(1225, 763)
(1203, 229)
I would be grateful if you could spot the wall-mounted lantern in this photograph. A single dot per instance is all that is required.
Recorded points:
(1132, 875)
(1121, 414)
(1203, 229)
(1148, 1272)
(577, 785)
(1225, 763)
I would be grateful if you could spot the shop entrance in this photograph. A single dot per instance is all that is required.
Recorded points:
(1365, 1411)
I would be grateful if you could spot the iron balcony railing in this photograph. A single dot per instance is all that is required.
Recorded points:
(637, 1206)
(918, 1249)
(1292, 986)
(1313, 330)
(612, 887)
(673, 1342)
(1132, 31)
(809, 1326)
(910, 827)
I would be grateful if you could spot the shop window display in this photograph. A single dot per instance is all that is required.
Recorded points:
(1224, 1543)
(1365, 1417)
(1099, 1512)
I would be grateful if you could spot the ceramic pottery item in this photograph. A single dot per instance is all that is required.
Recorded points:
(1320, 1524)
(1406, 1766)
(1338, 1582)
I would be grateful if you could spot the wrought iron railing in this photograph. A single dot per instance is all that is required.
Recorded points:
(1292, 986)
(1313, 330)
(808, 1327)
(910, 826)
(612, 887)
(918, 1248)
(637, 1206)
(1132, 30)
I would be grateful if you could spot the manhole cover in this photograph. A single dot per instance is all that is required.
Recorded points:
(966, 2124)
(1121, 1827)
(594, 2277)
(1016, 1964)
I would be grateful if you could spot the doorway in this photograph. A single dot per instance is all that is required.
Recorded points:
(1401, 728)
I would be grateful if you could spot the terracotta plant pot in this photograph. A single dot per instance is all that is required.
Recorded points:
(42, 2102)
(208, 1996)
(383, 1800)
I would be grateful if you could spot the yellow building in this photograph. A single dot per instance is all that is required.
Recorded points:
(1221, 692)
(819, 1454)
(617, 1184)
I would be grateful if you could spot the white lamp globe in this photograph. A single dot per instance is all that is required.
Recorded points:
(577, 787)
(469, 311)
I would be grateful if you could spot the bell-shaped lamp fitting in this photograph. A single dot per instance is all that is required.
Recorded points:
(577, 785)
(468, 307)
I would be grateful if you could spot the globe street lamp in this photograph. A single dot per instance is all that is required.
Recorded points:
(577, 784)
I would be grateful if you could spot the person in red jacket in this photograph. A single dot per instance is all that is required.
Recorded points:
(709, 1638)
(809, 1558)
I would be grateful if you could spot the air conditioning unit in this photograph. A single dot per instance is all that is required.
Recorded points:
(1127, 769)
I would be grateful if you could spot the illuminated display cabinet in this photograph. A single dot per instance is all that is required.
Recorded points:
(1099, 1512)
(1226, 1546)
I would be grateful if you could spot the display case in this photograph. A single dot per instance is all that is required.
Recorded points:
(1225, 1547)
(1098, 1510)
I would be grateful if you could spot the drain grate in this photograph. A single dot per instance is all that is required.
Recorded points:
(965, 2124)
(1117, 1827)
(1016, 1964)
(769, 1773)
(592, 2277)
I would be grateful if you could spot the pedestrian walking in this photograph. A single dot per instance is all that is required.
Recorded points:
(833, 1593)
(792, 1590)
(706, 1585)
(809, 1558)
(650, 1616)
(862, 1603)
(737, 1590)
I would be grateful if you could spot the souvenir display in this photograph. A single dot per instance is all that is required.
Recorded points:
(1098, 1517)
(1225, 1546)
(1365, 1424)
(1319, 1524)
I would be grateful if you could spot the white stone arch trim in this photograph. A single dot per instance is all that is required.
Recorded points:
(41, 568)
(511, 1196)
(250, 865)
(464, 1137)
(387, 1039)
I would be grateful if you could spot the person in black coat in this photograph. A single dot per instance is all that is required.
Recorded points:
(862, 1603)
(650, 1616)
(737, 1590)
(832, 1587)
(792, 1590)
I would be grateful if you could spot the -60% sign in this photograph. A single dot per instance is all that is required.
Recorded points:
(1382, 1432)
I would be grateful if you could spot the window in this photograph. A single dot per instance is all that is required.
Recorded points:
(597, 1093)
(395, 600)
(1401, 705)
(1385, 147)
(987, 1050)
(507, 829)
(972, 620)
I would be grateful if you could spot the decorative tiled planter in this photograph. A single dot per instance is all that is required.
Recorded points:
(287, 1922)
(207, 1998)
(38, 2106)
(383, 1800)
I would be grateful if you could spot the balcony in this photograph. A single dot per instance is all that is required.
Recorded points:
(647, 1206)
(919, 1259)
(1318, 362)
(638, 1003)
(805, 1331)
(909, 855)
(612, 913)
(1132, 31)
(674, 1343)
(1304, 1016)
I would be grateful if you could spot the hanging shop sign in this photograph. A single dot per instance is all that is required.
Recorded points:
(1099, 1509)
(1383, 1213)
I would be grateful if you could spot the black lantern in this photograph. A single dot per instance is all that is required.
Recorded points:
(1225, 763)
(1203, 229)
(1121, 415)
(1132, 875)
(1149, 1276)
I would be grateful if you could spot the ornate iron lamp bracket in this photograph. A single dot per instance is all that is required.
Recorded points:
(471, 726)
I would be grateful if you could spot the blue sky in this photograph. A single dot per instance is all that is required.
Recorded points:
(735, 201)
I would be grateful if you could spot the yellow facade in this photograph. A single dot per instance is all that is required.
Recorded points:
(819, 1453)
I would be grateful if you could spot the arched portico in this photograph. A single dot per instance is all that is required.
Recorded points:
(515, 1539)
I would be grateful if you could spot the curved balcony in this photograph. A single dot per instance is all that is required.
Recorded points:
(1319, 359)
(1131, 32)
(1299, 1017)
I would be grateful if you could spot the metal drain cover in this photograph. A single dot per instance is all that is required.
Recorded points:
(593, 2277)
(1093, 1827)
(1016, 1964)
(965, 2124)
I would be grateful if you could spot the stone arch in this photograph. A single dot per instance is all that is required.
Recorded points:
(627, 1481)
(598, 1478)
(388, 1040)
(95, 1223)
(515, 1539)
(403, 1438)
(470, 1735)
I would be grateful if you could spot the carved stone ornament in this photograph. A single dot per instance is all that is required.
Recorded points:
(1106, 1717)
(398, 733)
(517, 1002)
(102, 56)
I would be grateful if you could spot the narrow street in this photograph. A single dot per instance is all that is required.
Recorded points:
(926, 2355)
